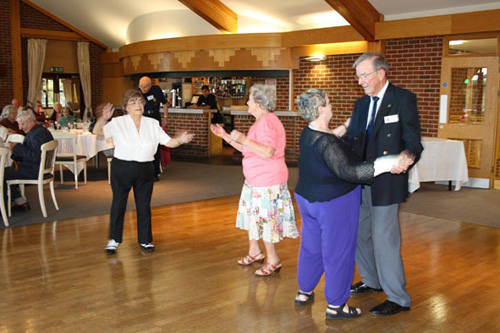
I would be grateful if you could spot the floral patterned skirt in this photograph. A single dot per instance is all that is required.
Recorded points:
(267, 213)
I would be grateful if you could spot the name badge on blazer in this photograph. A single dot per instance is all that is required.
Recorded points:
(391, 119)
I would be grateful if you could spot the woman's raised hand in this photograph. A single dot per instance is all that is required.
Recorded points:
(217, 130)
(108, 111)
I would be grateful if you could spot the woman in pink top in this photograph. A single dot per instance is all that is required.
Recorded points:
(265, 208)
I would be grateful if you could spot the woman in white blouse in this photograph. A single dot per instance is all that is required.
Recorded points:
(136, 140)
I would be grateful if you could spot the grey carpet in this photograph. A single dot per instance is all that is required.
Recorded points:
(478, 206)
(188, 181)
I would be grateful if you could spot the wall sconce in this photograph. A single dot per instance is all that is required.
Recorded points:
(319, 57)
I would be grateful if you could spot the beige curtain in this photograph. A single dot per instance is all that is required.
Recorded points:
(68, 90)
(36, 59)
(84, 67)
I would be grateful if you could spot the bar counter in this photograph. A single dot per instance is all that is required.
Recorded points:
(205, 144)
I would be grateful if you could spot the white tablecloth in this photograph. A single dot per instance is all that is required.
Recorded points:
(441, 160)
(87, 144)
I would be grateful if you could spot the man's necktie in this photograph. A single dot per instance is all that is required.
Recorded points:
(370, 124)
(372, 117)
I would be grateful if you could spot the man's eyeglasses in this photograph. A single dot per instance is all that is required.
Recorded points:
(364, 77)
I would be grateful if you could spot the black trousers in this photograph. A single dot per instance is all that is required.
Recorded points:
(23, 172)
(124, 176)
(155, 115)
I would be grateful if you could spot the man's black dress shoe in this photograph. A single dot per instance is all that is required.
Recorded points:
(22, 208)
(388, 308)
(361, 287)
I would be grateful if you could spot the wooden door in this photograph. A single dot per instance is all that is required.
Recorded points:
(469, 111)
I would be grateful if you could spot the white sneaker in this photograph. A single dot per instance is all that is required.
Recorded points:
(111, 247)
(148, 247)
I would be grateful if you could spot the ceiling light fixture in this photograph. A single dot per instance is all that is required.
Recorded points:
(317, 57)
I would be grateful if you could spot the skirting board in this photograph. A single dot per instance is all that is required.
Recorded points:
(473, 182)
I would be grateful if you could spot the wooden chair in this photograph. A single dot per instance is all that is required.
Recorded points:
(45, 176)
(70, 157)
(3, 156)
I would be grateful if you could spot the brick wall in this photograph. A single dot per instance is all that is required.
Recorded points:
(194, 123)
(6, 91)
(30, 18)
(282, 87)
(415, 64)
(336, 77)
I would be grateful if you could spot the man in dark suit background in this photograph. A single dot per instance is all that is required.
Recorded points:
(154, 97)
(394, 128)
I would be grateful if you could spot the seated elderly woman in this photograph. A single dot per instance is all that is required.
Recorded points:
(67, 119)
(329, 199)
(57, 112)
(8, 121)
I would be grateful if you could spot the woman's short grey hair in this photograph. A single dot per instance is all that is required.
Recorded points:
(6, 110)
(378, 61)
(25, 115)
(309, 103)
(264, 95)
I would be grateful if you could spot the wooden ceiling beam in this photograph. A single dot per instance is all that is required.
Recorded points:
(360, 14)
(51, 34)
(214, 12)
(67, 25)
(442, 25)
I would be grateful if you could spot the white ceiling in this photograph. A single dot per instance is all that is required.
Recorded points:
(119, 22)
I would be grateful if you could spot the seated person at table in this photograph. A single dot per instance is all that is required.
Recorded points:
(208, 101)
(66, 117)
(39, 112)
(26, 156)
(8, 121)
(97, 126)
(57, 112)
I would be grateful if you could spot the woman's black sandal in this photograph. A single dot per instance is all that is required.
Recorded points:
(339, 312)
(310, 298)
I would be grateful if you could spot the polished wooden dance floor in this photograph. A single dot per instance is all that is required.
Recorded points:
(56, 277)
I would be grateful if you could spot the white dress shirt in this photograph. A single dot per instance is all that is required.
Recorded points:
(380, 95)
(131, 144)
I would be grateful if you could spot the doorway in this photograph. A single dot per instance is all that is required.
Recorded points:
(62, 88)
(469, 112)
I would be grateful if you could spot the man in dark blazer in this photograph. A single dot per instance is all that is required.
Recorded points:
(27, 156)
(393, 129)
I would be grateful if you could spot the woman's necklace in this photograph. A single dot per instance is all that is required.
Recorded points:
(318, 128)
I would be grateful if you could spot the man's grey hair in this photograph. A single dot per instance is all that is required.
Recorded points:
(25, 115)
(378, 61)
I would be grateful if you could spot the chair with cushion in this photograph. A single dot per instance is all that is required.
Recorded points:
(3, 157)
(66, 156)
(45, 176)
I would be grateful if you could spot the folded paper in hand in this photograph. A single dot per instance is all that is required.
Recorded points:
(6, 137)
(16, 138)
